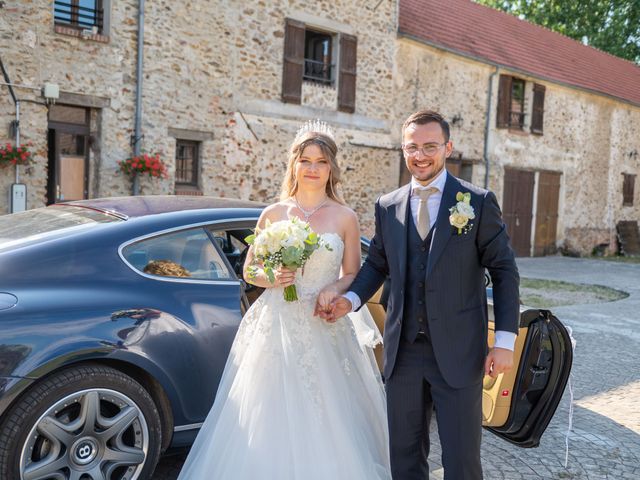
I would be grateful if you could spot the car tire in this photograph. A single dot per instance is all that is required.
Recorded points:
(91, 418)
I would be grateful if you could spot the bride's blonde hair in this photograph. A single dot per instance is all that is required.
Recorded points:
(329, 151)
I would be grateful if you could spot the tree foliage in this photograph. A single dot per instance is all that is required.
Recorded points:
(609, 25)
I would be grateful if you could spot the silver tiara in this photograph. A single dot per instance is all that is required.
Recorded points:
(317, 126)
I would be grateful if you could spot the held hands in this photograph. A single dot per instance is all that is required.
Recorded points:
(323, 303)
(499, 360)
(338, 308)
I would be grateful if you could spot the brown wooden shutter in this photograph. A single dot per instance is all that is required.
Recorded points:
(347, 82)
(504, 101)
(293, 61)
(537, 114)
(627, 189)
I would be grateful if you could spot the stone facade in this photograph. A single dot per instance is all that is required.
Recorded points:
(213, 69)
(590, 139)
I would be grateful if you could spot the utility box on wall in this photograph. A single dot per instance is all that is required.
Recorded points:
(18, 197)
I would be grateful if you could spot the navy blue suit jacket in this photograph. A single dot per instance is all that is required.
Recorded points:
(455, 292)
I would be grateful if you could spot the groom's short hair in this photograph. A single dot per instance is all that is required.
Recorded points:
(422, 117)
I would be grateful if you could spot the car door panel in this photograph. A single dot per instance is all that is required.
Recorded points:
(517, 405)
(541, 376)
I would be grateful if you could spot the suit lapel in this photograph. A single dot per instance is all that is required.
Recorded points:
(402, 214)
(443, 228)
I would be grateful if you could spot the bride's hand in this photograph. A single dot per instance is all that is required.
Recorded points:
(284, 277)
(325, 297)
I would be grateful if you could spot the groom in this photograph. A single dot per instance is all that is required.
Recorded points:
(435, 334)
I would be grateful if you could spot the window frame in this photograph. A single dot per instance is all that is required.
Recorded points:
(194, 184)
(204, 226)
(329, 80)
(628, 189)
(75, 7)
(519, 124)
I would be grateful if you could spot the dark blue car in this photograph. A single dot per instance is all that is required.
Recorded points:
(116, 319)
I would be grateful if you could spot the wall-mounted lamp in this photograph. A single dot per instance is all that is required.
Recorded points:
(51, 92)
(633, 154)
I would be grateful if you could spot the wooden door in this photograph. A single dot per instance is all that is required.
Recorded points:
(518, 208)
(547, 213)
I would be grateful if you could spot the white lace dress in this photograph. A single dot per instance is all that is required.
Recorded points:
(300, 398)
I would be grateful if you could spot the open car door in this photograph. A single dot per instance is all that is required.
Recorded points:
(517, 406)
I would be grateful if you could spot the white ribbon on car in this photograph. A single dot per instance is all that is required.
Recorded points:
(570, 426)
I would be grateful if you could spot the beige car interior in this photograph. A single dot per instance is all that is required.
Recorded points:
(496, 392)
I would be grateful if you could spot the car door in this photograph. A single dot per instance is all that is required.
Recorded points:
(516, 406)
(229, 239)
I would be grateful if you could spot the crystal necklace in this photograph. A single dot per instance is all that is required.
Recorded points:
(307, 213)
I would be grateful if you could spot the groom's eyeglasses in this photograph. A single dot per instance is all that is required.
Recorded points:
(428, 149)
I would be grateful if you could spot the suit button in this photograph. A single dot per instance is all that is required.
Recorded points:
(421, 266)
(420, 302)
(420, 319)
(423, 248)
(421, 284)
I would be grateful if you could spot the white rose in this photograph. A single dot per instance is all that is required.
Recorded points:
(458, 220)
(465, 209)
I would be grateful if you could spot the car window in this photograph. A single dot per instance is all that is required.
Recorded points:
(231, 243)
(183, 254)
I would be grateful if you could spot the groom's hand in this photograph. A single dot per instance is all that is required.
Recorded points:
(499, 360)
(340, 306)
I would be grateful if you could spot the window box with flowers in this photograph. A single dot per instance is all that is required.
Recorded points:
(11, 155)
(144, 164)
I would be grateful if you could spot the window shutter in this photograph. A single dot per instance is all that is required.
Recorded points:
(504, 101)
(537, 114)
(347, 80)
(293, 61)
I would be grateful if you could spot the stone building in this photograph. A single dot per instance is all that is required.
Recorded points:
(549, 124)
(544, 121)
(225, 87)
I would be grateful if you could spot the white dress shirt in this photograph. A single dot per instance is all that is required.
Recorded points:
(503, 339)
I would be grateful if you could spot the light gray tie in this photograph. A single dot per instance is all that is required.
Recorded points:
(424, 222)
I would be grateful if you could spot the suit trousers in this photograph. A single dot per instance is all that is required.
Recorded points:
(413, 390)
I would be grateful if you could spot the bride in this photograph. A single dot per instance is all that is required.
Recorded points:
(300, 397)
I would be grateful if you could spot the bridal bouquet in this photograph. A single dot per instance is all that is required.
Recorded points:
(287, 243)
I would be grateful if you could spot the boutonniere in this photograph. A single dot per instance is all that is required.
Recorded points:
(462, 212)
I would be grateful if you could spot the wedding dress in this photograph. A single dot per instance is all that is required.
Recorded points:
(300, 398)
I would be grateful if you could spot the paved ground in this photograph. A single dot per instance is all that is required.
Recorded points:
(604, 442)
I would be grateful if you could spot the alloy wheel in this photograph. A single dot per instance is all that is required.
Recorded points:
(93, 434)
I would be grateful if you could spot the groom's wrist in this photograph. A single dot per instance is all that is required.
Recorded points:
(504, 339)
(354, 299)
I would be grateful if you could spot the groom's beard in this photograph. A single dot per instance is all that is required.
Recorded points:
(427, 176)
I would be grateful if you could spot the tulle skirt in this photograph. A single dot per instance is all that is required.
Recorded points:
(300, 398)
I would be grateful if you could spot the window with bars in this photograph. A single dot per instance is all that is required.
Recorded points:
(317, 57)
(512, 93)
(82, 14)
(628, 184)
(308, 56)
(187, 163)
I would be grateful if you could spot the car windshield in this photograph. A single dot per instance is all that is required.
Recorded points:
(33, 225)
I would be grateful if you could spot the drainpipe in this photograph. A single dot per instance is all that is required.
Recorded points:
(487, 126)
(17, 103)
(138, 118)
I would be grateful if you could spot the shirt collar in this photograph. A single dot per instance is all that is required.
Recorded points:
(437, 182)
